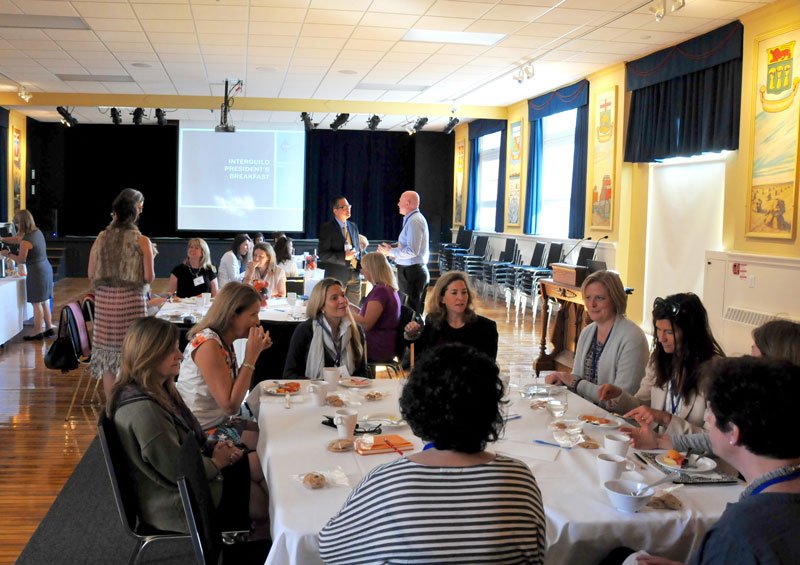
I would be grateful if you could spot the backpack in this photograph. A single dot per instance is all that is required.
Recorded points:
(72, 340)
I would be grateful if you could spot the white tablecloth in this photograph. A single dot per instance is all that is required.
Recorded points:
(277, 310)
(13, 304)
(582, 526)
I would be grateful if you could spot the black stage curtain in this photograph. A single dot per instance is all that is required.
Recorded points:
(4, 212)
(371, 169)
(686, 99)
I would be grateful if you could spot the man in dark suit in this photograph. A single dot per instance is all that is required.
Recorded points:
(339, 252)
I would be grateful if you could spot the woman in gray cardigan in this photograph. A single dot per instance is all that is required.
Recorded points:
(612, 349)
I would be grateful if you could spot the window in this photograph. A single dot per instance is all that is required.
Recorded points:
(558, 144)
(488, 167)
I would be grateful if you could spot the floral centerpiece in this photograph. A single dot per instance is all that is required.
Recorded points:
(262, 288)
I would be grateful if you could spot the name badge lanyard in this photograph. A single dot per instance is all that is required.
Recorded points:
(774, 481)
(674, 399)
(337, 344)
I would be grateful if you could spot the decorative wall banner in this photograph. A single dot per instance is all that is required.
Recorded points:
(772, 198)
(460, 196)
(604, 137)
(514, 171)
(16, 169)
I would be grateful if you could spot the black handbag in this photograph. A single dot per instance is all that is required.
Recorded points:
(61, 355)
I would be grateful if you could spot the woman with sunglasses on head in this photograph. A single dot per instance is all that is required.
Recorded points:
(776, 339)
(670, 395)
(329, 338)
(612, 349)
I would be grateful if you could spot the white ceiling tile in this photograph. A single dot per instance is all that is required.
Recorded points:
(365, 95)
(167, 26)
(420, 47)
(326, 30)
(604, 58)
(211, 49)
(382, 19)
(332, 17)
(282, 3)
(172, 38)
(43, 55)
(397, 96)
(86, 56)
(632, 21)
(124, 51)
(515, 13)
(319, 65)
(104, 9)
(495, 26)
(394, 34)
(405, 57)
(71, 35)
(271, 40)
(358, 55)
(220, 13)
(26, 44)
(22, 33)
(648, 36)
(169, 58)
(8, 7)
(605, 34)
(283, 28)
(509, 52)
(315, 53)
(443, 24)
(122, 36)
(236, 29)
(177, 48)
(43, 8)
(369, 45)
(571, 17)
(82, 46)
(292, 15)
(126, 88)
(163, 11)
(462, 50)
(62, 67)
(404, 7)
(548, 29)
(610, 5)
(113, 24)
(463, 9)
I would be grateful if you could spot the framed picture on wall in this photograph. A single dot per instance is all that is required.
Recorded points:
(604, 137)
(460, 197)
(772, 194)
(514, 170)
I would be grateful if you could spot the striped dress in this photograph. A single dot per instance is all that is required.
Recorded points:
(403, 512)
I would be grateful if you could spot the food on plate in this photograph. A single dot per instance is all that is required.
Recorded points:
(674, 458)
(666, 501)
(176, 299)
(595, 420)
(314, 480)
(373, 395)
(339, 445)
(290, 387)
(334, 400)
(538, 404)
(589, 444)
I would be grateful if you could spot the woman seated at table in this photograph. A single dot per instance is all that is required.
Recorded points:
(211, 382)
(329, 338)
(152, 422)
(264, 269)
(195, 275)
(379, 314)
(612, 349)
(451, 318)
(669, 395)
(284, 247)
(453, 501)
(234, 261)
(776, 339)
(752, 419)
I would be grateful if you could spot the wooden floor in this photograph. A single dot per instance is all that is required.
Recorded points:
(40, 449)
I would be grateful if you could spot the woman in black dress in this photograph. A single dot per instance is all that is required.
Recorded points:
(39, 282)
(196, 274)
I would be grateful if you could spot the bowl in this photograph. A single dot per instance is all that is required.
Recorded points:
(620, 494)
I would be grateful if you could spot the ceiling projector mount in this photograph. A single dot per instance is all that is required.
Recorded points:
(225, 109)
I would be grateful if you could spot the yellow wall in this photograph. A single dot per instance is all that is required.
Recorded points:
(460, 178)
(16, 167)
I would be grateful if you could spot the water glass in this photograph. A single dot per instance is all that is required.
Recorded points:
(557, 403)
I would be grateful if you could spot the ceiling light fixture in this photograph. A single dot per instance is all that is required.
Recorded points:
(306, 118)
(116, 119)
(341, 119)
(658, 9)
(677, 5)
(66, 117)
(138, 113)
(23, 93)
(418, 125)
(451, 125)
(524, 72)
(161, 116)
(373, 122)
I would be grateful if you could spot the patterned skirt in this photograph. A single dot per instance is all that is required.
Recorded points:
(116, 308)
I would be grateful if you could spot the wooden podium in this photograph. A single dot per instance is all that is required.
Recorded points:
(567, 328)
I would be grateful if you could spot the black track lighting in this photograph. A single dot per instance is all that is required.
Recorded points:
(66, 117)
(116, 119)
(451, 125)
(306, 117)
(161, 117)
(373, 122)
(420, 123)
(137, 116)
(340, 120)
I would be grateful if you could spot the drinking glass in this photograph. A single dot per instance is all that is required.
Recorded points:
(291, 298)
(557, 403)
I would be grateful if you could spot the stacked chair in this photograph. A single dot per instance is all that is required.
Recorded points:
(462, 245)
(526, 283)
(472, 262)
(499, 273)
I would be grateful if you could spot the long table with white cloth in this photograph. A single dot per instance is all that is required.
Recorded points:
(582, 525)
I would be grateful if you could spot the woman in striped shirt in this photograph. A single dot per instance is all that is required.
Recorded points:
(453, 502)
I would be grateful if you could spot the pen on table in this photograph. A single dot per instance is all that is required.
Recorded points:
(512, 417)
(390, 444)
(542, 442)
(640, 458)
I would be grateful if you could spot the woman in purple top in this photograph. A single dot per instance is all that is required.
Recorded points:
(380, 312)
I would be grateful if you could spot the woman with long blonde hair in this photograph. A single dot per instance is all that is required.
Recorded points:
(379, 314)
(264, 268)
(152, 421)
(32, 253)
(195, 274)
(329, 338)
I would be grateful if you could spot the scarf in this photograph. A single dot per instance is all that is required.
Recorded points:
(323, 340)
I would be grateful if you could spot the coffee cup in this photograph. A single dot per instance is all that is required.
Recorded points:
(610, 466)
(345, 420)
(617, 444)
(318, 390)
(331, 376)
(206, 298)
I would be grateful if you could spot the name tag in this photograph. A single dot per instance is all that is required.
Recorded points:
(199, 280)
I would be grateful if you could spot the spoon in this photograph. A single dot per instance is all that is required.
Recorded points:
(643, 488)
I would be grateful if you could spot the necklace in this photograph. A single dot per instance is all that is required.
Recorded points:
(780, 475)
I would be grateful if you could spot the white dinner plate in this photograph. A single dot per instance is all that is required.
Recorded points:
(610, 425)
(703, 465)
(355, 382)
(273, 390)
(385, 419)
